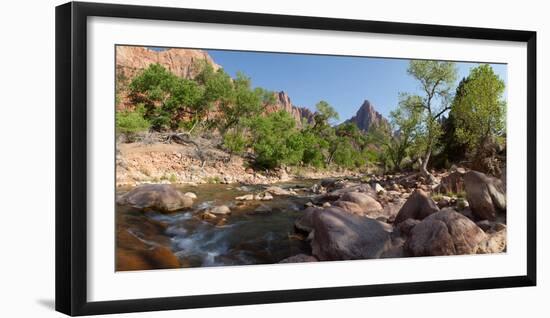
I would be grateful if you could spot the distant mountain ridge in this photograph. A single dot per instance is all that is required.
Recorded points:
(367, 117)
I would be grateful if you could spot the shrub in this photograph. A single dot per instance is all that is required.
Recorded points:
(130, 122)
(235, 142)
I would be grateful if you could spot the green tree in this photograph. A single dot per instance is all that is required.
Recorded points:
(479, 109)
(242, 102)
(453, 149)
(436, 80)
(166, 97)
(276, 140)
(324, 115)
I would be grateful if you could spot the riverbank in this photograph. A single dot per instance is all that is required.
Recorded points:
(170, 163)
(167, 226)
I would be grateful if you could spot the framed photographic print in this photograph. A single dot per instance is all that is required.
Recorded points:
(209, 158)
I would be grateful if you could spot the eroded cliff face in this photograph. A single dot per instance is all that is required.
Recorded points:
(132, 59)
(367, 117)
(282, 102)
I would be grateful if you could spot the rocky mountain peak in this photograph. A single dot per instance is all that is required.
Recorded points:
(367, 117)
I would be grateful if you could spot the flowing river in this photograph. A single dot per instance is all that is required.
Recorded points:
(247, 236)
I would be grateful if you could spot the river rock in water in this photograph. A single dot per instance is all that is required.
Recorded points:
(191, 195)
(246, 197)
(221, 209)
(159, 197)
(339, 235)
(263, 208)
(136, 253)
(275, 190)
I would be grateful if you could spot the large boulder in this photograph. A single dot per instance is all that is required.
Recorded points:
(418, 206)
(486, 195)
(446, 232)
(338, 193)
(349, 206)
(158, 197)
(365, 201)
(339, 235)
(452, 183)
(305, 222)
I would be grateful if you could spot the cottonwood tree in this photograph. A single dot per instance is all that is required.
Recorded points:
(166, 97)
(479, 109)
(436, 81)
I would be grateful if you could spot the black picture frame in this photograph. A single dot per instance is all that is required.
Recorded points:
(71, 157)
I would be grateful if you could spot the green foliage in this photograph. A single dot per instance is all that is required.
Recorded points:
(436, 80)
(235, 141)
(129, 122)
(479, 109)
(314, 148)
(325, 112)
(404, 133)
(243, 102)
(167, 98)
(346, 146)
(276, 140)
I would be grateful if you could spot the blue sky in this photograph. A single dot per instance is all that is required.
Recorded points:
(344, 82)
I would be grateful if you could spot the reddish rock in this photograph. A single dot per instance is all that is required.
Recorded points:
(132, 59)
(282, 102)
(135, 253)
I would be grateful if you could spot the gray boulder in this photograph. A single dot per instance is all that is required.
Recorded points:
(305, 222)
(339, 235)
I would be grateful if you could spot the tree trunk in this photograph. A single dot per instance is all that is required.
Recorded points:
(424, 167)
